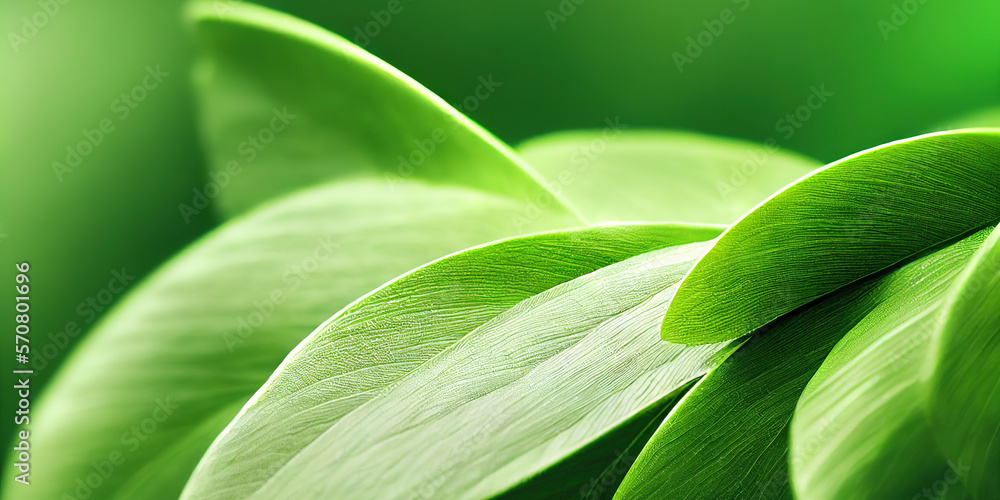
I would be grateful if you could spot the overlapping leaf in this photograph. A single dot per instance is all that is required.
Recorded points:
(860, 428)
(603, 463)
(619, 174)
(258, 287)
(728, 438)
(965, 372)
(844, 222)
(289, 104)
(518, 394)
(211, 325)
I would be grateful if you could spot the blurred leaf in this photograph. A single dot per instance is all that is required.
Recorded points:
(573, 64)
(116, 207)
(615, 174)
(846, 221)
(965, 372)
(987, 118)
(207, 329)
(860, 429)
(287, 104)
(523, 387)
(728, 437)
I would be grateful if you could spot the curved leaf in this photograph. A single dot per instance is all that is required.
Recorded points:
(570, 65)
(965, 370)
(523, 389)
(616, 174)
(206, 330)
(860, 429)
(846, 221)
(728, 437)
(287, 104)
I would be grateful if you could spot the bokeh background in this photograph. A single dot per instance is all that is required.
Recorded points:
(889, 69)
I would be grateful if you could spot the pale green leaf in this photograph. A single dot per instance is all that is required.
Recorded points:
(965, 372)
(846, 221)
(860, 428)
(728, 437)
(595, 471)
(618, 174)
(527, 387)
(210, 326)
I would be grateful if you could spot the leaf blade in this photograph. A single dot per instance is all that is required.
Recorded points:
(211, 325)
(861, 423)
(488, 372)
(354, 114)
(728, 438)
(962, 373)
(830, 229)
(620, 174)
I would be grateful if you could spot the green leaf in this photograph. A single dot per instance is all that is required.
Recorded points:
(964, 410)
(525, 386)
(208, 328)
(860, 429)
(287, 104)
(570, 66)
(595, 471)
(728, 437)
(616, 174)
(846, 221)
(83, 171)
